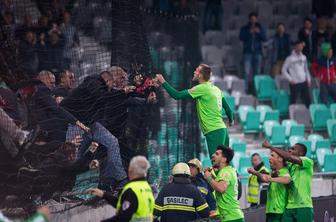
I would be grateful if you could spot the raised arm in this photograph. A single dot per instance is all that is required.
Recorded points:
(284, 154)
(175, 94)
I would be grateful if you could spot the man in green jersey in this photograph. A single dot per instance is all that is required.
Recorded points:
(300, 205)
(209, 104)
(226, 185)
(277, 190)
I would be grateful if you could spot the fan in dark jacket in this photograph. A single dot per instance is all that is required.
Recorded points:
(48, 114)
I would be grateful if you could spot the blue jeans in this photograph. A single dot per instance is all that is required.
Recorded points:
(113, 170)
(252, 66)
(326, 91)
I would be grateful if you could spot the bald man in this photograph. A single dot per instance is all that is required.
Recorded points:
(48, 114)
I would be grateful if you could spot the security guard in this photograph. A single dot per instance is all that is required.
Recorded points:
(254, 182)
(136, 201)
(197, 179)
(180, 200)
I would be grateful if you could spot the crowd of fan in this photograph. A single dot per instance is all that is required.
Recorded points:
(312, 52)
(47, 45)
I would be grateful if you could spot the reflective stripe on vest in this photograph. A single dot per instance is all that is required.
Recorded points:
(254, 186)
(145, 199)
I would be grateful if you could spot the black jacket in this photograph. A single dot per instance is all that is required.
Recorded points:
(87, 101)
(48, 114)
(180, 201)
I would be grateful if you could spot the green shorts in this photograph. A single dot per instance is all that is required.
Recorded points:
(305, 214)
(273, 217)
(215, 138)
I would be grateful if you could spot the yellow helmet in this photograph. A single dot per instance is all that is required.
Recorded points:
(196, 163)
(181, 168)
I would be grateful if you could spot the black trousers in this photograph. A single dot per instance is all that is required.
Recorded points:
(302, 90)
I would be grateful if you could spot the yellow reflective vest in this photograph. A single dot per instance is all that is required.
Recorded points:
(145, 199)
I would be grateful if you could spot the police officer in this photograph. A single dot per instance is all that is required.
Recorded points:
(136, 201)
(180, 200)
(254, 182)
(197, 179)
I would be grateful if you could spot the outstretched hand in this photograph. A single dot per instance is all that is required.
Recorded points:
(95, 191)
(159, 78)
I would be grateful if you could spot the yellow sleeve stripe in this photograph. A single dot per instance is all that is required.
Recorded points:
(178, 207)
(203, 190)
(157, 207)
(202, 207)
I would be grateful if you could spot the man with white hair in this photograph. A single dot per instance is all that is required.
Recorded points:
(136, 201)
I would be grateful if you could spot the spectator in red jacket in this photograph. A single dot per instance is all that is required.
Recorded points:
(325, 70)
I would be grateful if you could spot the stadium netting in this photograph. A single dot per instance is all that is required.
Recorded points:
(135, 35)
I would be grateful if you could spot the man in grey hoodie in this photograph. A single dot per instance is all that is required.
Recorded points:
(296, 71)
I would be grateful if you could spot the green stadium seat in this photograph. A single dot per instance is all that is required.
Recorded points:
(329, 163)
(280, 101)
(314, 138)
(263, 109)
(242, 112)
(319, 114)
(236, 159)
(278, 137)
(264, 87)
(316, 96)
(321, 144)
(252, 123)
(333, 110)
(297, 130)
(331, 123)
(288, 123)
(155, 58)
(295, 139)
(268, 125)
(244, 163)
(272, 115)
(173, 71)
(231, 102)
(234, 140)
(239, 147)
(320, 154)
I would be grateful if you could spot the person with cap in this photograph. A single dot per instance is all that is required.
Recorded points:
(209, 105)
(197, 179)
(325, 71)
(180, 200)
(295, 70)
(225, 183)
(254, 182)
(136, 201)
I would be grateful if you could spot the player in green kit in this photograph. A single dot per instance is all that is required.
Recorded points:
(277, 193)
(299, 205)
(209, 104)
(226, 185)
